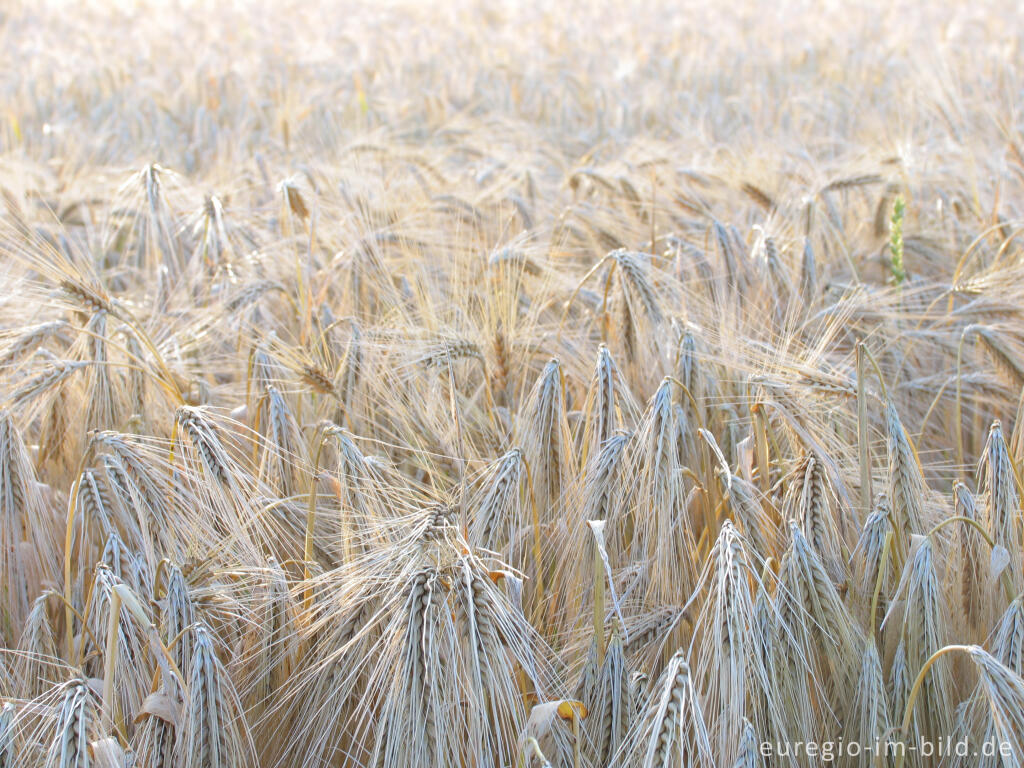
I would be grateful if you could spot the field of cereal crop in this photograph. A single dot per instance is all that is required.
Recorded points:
(511, 384)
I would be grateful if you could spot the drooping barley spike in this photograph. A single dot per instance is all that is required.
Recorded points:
(103, 411)
(127, 508)
(729, 258)
(1003, 691)
(88, 298)
(93, 514)
(210, 450)
(351, 369)
(602, 404)
(689, 372)
(411, 708)
(248, 295)
(489, 628)
(284, 447)
(1002, 498)
(136, 373)
(971, 559)
(586, 686)
(664, 530)
(900, 680)
(55, 372)
(114, 640)
(868, 715)
(776, 269)
(7, 735)
(124, 565)
(636, 282)
(74, 727)
(808, 273)
(906, 483)
(727, 666)
(672, 733)
(31, 339)
(871, 558)
(200, 742)
(604, 478)
(753, 520)
(764, 708)
(444, 351)
(1008, 643)
(37, 648)
(544, 436)
(637, 300)
(438, 524)
(158, 247)
(362, 491)
(178, 616)
(749, 755)
(810, 506)
(975, 712)
(803, 579)
(130, 470)
(317, 379)
(612, 703)
(25, 550)
(500, 510)
(1007, 362)
(211, 734)
(269, 656)
(924, 629)
(291, 193)
(265, 369)
(651, 631)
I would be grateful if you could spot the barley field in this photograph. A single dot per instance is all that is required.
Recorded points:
(511, 384)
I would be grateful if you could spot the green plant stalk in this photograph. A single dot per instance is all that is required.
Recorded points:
(899, 209)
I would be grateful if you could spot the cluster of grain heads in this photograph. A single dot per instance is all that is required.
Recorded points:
(701, 583)
(423, 652)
